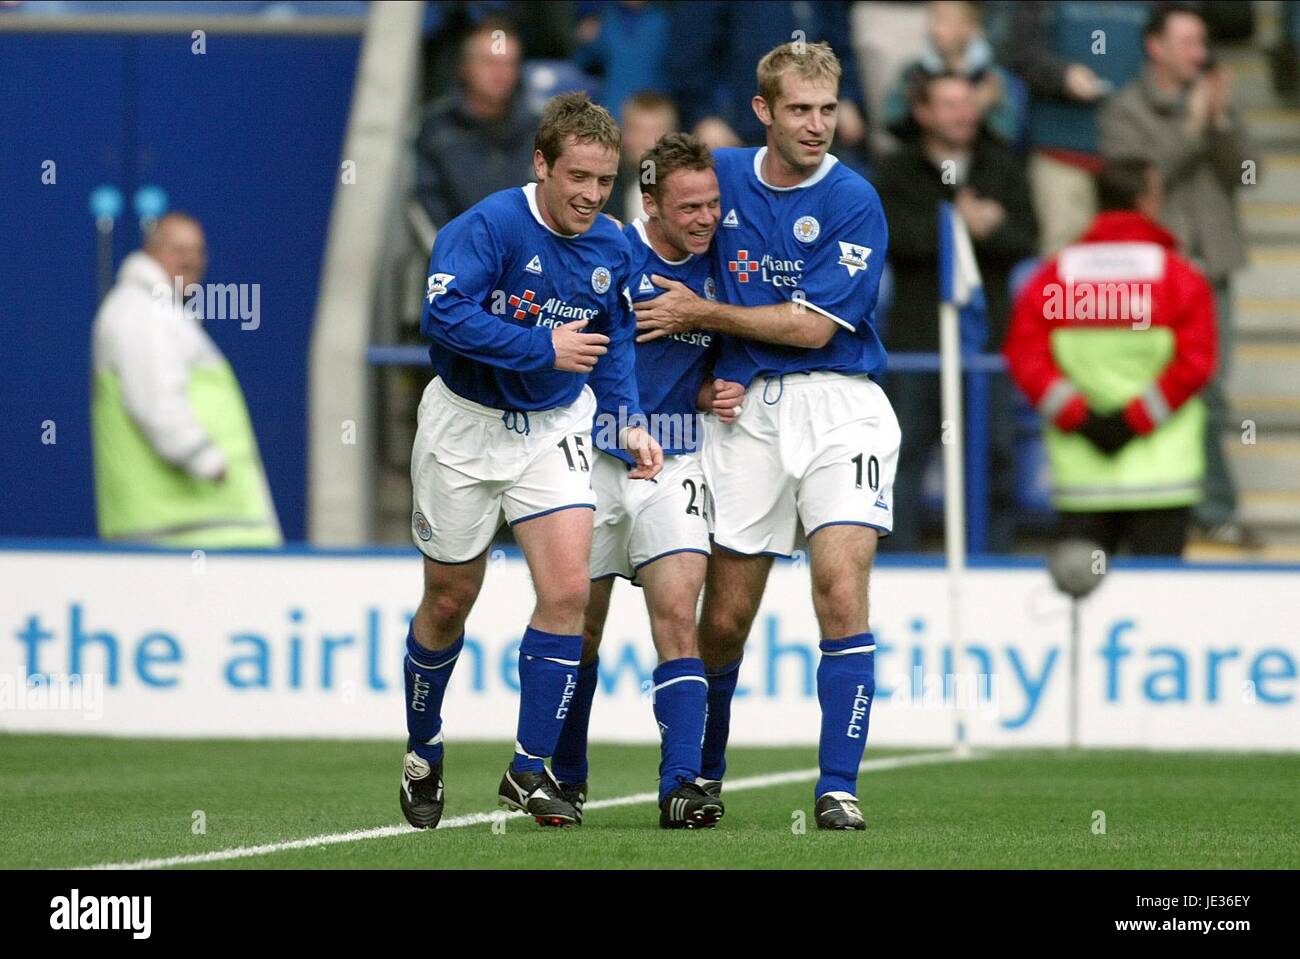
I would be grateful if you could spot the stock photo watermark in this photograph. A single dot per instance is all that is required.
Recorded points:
(53, 692)
(212, 301)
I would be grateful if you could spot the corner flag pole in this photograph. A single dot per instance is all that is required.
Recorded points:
(959, 280)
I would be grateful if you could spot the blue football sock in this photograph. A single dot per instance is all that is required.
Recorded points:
(427, 672)
(548, 680)
(846, 684)
(681, 698)
(570, 760)
(722, 686)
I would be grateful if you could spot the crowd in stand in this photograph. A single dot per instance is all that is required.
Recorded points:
(1009, 110)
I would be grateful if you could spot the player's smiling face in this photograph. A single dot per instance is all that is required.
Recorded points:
(801, 123)
(571, 193)
(690, 210)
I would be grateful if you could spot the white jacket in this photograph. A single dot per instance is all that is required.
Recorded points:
(143, 334)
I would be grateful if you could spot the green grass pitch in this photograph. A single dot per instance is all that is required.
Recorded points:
(69, 801)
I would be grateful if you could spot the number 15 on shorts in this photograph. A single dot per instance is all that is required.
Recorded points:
(575, 453)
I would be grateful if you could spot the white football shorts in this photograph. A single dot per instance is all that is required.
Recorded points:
(640, 521)
(472, 465)
(814, 448)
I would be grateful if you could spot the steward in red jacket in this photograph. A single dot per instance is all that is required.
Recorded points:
(1111, 341)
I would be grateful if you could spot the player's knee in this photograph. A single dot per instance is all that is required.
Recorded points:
(724, 631)
(727, 624)
(674, 631)
(841, 597)
(447, 607)
(565, 597)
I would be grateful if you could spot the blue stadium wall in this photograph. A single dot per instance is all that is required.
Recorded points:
(246, 136)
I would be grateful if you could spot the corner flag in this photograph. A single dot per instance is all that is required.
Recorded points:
(963, 328)
(959, 279)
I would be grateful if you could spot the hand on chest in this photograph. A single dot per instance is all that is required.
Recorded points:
(545, 287)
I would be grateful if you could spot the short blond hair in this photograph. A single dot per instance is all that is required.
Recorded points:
(574, 115)
(811, 61)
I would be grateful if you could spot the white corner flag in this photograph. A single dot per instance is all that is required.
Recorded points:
(961, 295)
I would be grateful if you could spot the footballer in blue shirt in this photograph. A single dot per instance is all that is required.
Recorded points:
(656, 534)
(531, 324)
(799, 253)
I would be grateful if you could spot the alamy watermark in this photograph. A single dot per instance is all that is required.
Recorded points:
(53, 692)
(976, 692)
(1114, 302)
(213, 301)
(672, 430)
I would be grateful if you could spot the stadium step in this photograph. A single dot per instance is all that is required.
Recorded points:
(1264, 369)
(1273, 273)
(1279, 179)
(1269, 464)
(1262, 383)
(1268, 320)
(1274, 512)
(1270, 222)
(1274, 126)
(1266, 412)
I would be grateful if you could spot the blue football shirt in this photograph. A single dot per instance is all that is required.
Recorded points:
(669, 370)
(822, 242)
(500, 279)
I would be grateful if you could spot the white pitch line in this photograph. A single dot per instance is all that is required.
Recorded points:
(483, 818)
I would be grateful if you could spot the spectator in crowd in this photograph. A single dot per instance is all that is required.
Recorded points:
(712, 49)
(887, 36)
(546, 31)
(1177, 116)
(1111, 341)
(623, 43)
(647, 116)
(956, 44)
(953, 158)
(176, 461)
(478, 139)
(1071, 55)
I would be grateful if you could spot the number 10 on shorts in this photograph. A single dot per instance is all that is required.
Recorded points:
(873, 472)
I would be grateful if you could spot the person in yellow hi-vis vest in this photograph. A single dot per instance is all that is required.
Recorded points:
(176, 461)
(1112, 340)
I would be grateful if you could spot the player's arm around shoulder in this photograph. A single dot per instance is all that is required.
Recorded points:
(679, 310)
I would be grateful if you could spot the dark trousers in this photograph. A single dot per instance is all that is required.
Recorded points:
(1220, 502)
(1146, 532)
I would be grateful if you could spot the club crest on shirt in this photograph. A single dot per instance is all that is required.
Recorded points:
(600, 278)
(710, 289)
(807, 229)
